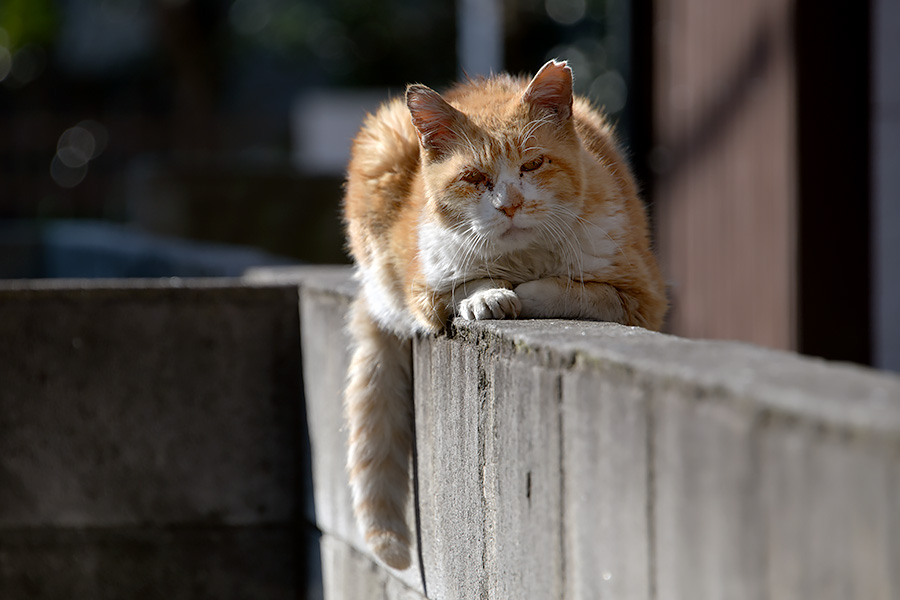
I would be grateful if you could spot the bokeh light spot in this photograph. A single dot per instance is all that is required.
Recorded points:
(28, 63)
(566, 12)
(101, 136)
(66, 176)
(610, 91)
(75, 147)
(5, 63)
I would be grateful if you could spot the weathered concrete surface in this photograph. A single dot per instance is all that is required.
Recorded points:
(153, 405)
(832, 524)
(708, 509)
(605, 444)
(451, 471)
(239, 563)
(846, 396)
(659, 467)
(488, 439)
(768, 474)
(349, 573)
(150, 442)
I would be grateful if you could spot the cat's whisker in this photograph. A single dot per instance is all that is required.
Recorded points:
(573, 235)
(469, 143)
(572, 255)
(532, 127)
(483, 243)
(560, 243)
(463, 256)
(469, 254)
(585, 223)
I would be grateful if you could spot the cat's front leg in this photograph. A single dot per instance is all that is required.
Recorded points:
(486, 299)
(561, 297)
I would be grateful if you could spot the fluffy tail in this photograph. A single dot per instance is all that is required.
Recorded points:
(379, 411)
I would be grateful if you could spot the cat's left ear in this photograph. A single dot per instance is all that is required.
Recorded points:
(435, 120)
(551, 90)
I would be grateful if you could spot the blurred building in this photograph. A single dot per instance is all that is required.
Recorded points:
(765, 133)
(775, 136)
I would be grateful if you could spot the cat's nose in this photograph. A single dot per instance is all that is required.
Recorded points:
(510, 201)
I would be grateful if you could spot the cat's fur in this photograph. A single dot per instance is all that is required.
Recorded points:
(502, 199)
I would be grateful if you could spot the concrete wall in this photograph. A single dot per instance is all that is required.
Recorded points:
(151, 447)
(151, 441)
(560, 459)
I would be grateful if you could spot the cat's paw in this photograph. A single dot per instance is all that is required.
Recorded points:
(492, 303)
(539, 298)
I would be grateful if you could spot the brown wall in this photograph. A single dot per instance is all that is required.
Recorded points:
(725, 162)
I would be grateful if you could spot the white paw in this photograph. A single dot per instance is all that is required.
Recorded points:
(493, 303)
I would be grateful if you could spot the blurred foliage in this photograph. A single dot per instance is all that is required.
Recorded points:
(352, 42)
(28, 22)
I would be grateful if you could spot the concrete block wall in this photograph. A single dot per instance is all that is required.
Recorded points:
(151, 447)
(560, 459)
(151, 441)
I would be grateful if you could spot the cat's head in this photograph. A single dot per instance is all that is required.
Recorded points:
(506, 164)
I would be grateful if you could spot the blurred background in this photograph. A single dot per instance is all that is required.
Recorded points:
(214, 134)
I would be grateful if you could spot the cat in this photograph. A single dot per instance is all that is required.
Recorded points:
(503, 198)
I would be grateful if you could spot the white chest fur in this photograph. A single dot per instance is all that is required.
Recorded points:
(577, 249)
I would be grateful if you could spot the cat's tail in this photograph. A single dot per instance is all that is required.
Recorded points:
(379, 411)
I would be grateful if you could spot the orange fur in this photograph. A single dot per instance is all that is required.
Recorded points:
(502, 198)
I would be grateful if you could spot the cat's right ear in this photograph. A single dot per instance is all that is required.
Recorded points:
(435, 120)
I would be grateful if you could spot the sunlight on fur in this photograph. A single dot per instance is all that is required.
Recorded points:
(502, 198)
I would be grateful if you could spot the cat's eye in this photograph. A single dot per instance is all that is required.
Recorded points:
(474, 177)
(533, 164)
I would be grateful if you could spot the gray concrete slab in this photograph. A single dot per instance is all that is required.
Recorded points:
(607, 501)
(239, 563)
(331, 279)
(148, 403)
(324, 373)
(488, 433)
(708, 521)
(831, 516)
(347, 573)
(351, 574)
(839, 395)
(520, 431)
(659, 467)
(451, 477)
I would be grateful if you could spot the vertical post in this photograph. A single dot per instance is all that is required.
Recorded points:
(479, 43)
(885, 220)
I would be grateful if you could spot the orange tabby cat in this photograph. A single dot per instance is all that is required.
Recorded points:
(502, 199)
